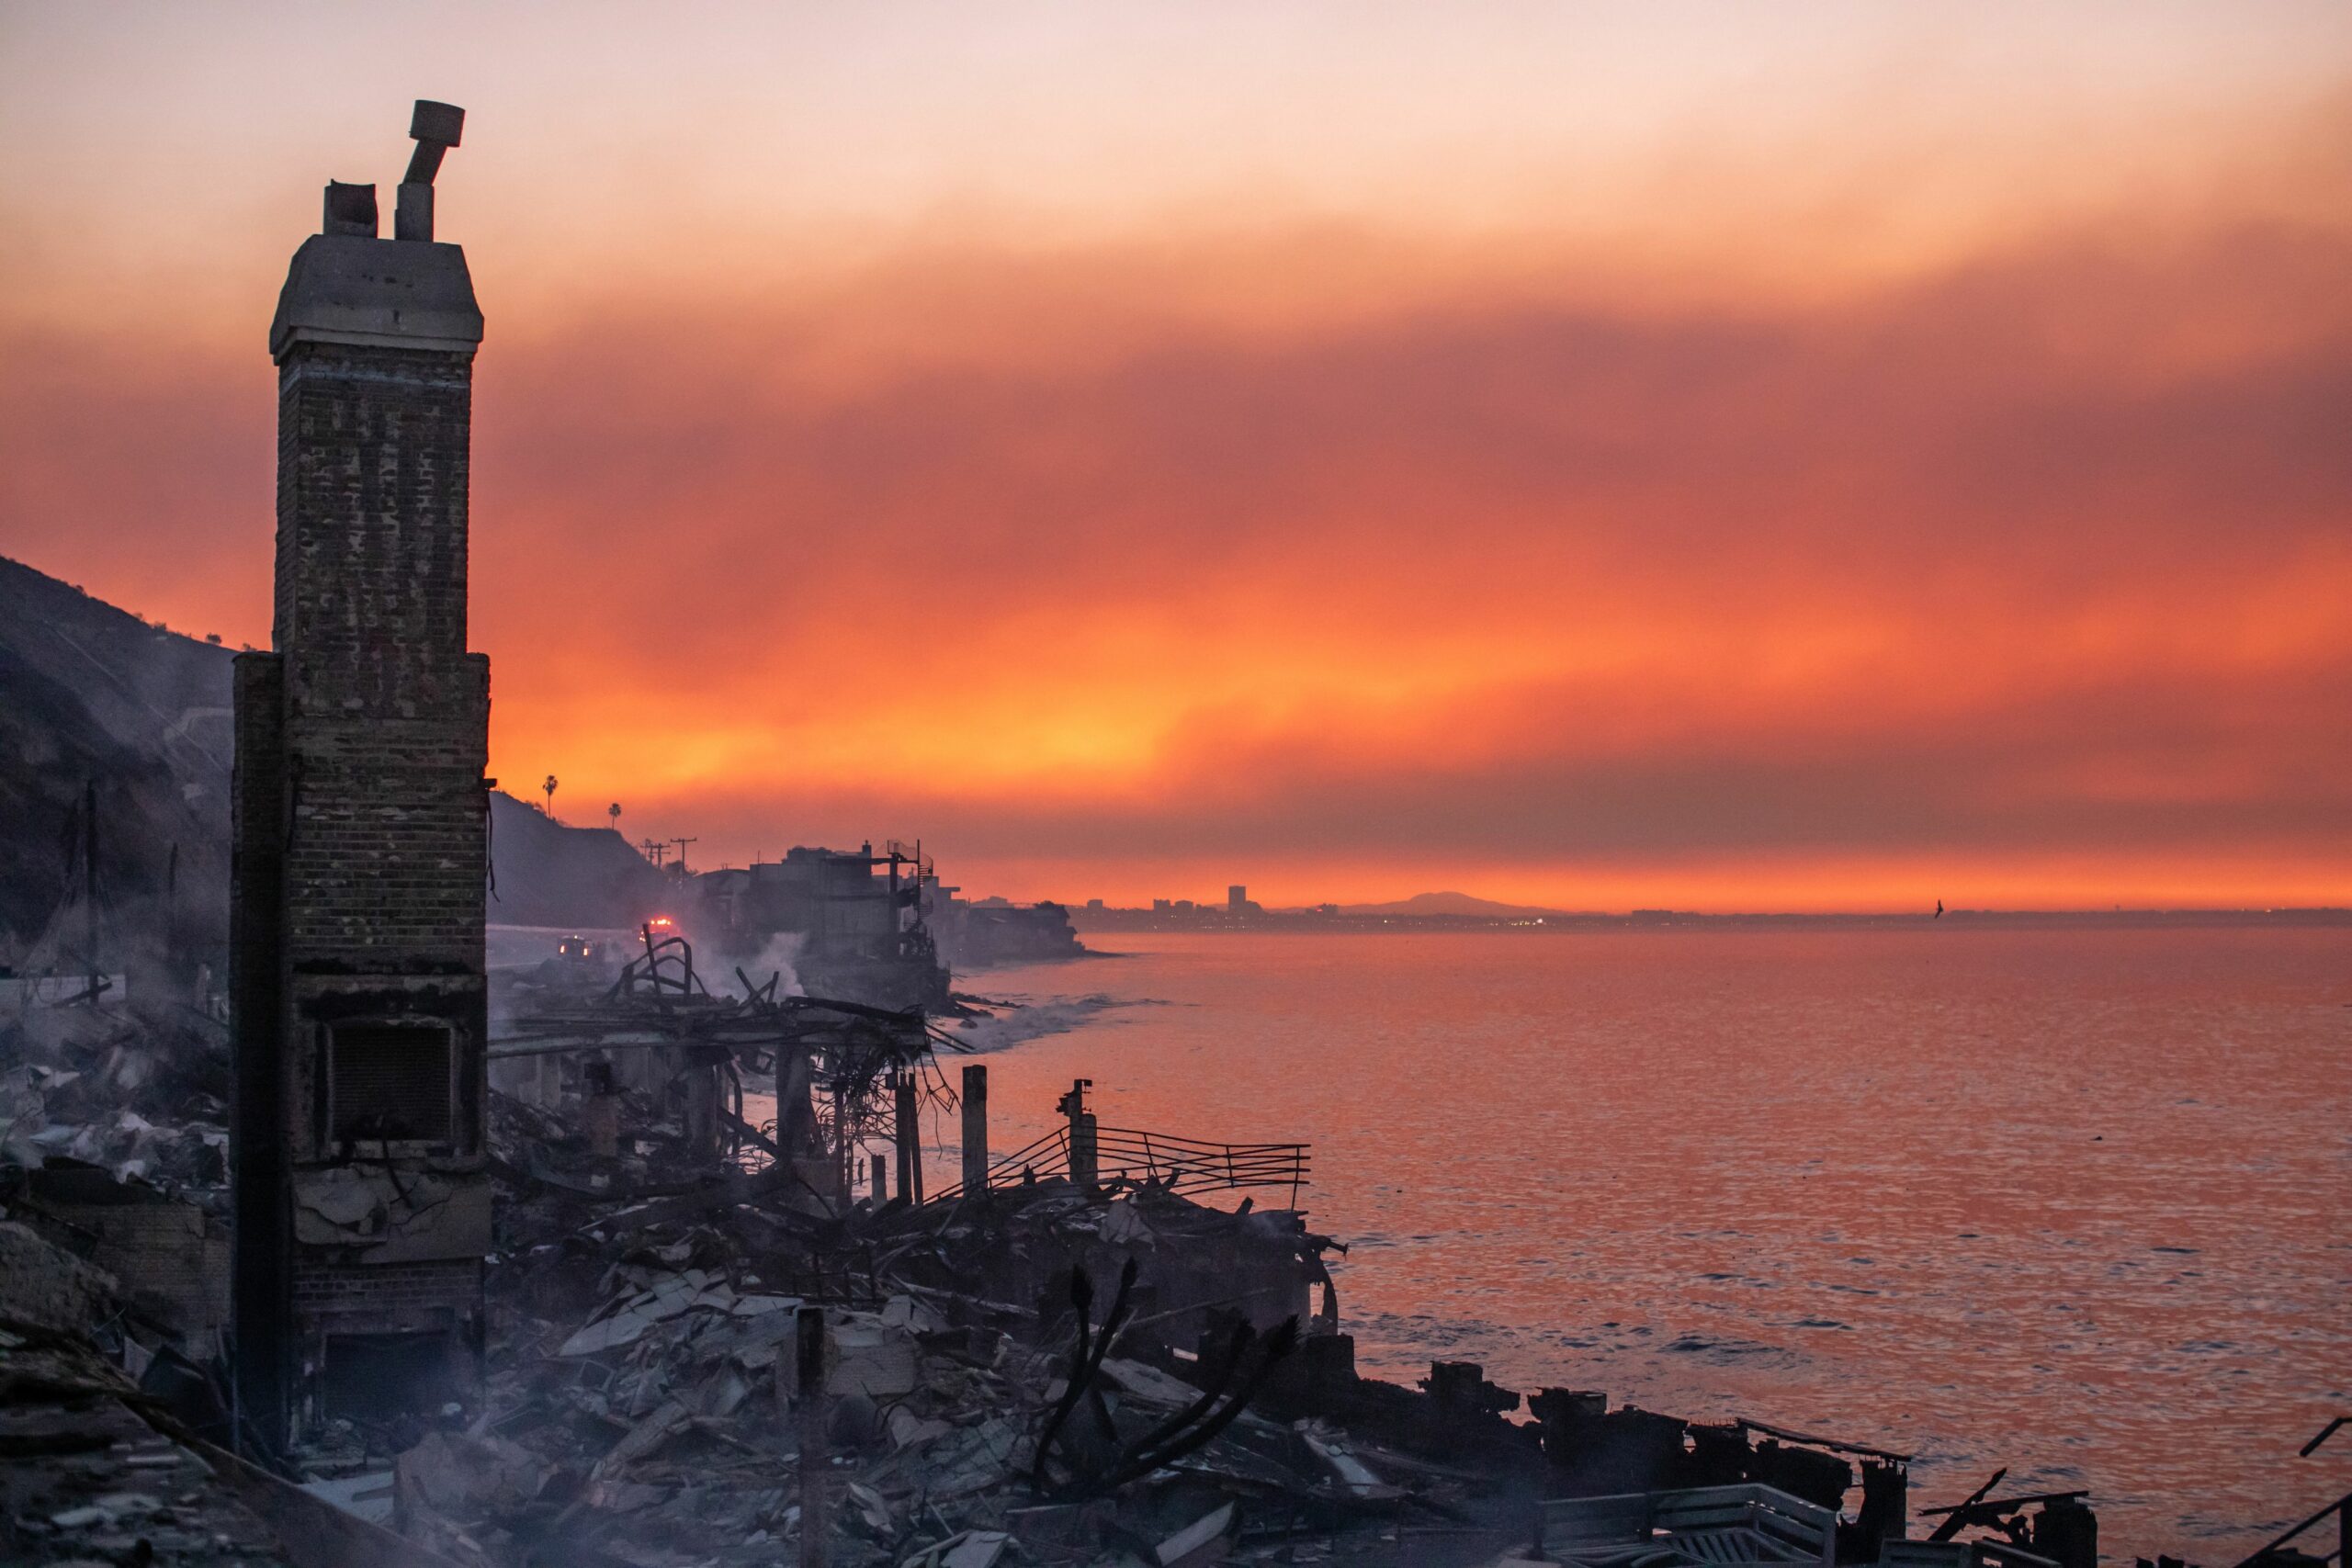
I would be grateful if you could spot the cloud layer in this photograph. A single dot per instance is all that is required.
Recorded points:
(1348, 555)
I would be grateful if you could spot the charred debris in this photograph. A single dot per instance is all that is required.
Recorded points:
(713, 1337)
(407, 1263)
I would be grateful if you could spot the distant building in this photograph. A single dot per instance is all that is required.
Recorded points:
(859, 917)
(1236, 897)
(997, 931)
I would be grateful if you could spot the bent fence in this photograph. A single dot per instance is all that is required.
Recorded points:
(1180, 1165)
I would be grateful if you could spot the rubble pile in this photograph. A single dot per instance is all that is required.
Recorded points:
(977, 1402)
(110, 1451)
(540, 1151)
(88, 1480)
(113, 1155)
(693, 1357)
(112, 1088)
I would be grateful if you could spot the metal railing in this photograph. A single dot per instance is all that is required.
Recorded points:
(1185, 1166)
(2341, 1554)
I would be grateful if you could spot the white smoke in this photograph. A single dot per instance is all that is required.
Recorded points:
(777, 958)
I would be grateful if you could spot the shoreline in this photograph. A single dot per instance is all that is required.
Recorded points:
(2119, 1462)
(1216, 923)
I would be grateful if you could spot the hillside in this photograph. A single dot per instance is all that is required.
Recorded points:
(92, 695)
(544, 874)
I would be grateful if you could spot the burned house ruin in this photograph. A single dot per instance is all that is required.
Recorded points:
(361, 1202)
(858, 918)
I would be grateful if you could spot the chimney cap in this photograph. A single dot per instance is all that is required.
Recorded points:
(436, 122)
(350, 209)
(355, 289)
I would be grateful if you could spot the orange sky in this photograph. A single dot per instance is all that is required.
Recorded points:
(1727, 456)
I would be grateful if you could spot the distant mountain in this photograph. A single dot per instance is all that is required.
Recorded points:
(1450, 904)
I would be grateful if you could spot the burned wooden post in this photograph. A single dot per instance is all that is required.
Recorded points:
(976, 1128)
(600, 1111)
(1083, 1139)
(881, 1180)
(909, 1142)
(808, 1366)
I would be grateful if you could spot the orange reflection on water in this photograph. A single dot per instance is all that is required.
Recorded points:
(2068, 1201)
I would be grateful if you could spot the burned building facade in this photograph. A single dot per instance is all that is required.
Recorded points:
(859, 918)
(974, 933)
(362, 1204)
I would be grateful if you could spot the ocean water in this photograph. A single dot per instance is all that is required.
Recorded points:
(2077, 1201)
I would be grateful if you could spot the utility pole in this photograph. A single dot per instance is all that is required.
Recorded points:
(682, 844)
(655, 852)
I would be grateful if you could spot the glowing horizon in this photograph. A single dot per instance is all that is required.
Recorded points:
(1660, 456)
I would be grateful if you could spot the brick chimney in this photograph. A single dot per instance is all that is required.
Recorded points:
(360, 1020)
